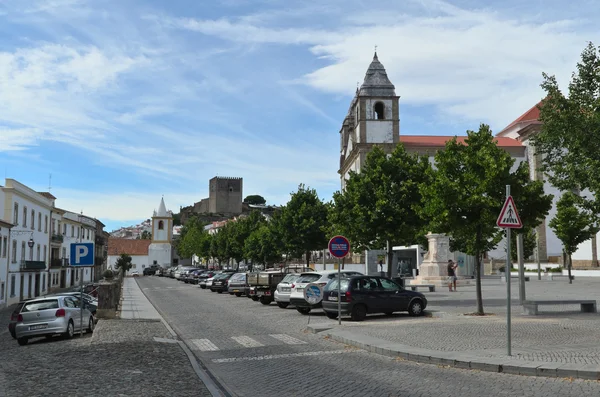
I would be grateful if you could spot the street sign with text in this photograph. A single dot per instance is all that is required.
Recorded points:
(339, 246)
(509, 217)
(82, 254)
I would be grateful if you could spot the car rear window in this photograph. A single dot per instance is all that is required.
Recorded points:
(290, 278)
(40, 305)
(308, 278)
(333, 285)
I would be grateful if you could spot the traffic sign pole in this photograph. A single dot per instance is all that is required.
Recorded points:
(339, 246)
(508, 277)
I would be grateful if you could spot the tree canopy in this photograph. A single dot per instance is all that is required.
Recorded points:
(303, 223)
(124, 263)
(467, 192)
(380, 205)
(569, 140)
(255, 199)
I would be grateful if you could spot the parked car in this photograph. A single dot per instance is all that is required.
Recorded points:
(148, 271)
(13, 318)
(202, 279)
(284, 289)
(362, 295)
(238, 284)
(134, 273)
(193, 277)
(50, 316)
(322, 278)
(221, 282)
(181, 271)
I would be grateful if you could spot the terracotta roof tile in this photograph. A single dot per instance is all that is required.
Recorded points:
(118, 246)
(530, 116)
(440, 141)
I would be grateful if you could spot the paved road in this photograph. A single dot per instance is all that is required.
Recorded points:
(262, 350)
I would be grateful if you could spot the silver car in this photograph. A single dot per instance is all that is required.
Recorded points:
(284, 289)
(50, 316)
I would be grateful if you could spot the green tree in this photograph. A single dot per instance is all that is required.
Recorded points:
(573, 224)
(177, 219)
(146, 235)
(262, 246)
(255, 199)
(240, 230)
(124, 263)
(380, 205)
(569, 140)
(528, 242)
(467, 192)
(303, 223)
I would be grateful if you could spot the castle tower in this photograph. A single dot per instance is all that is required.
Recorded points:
(373, 119)
(160, 250)
(225, 195)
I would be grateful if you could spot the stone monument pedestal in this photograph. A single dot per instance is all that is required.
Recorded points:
(434, 269)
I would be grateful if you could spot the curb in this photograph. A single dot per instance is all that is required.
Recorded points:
(458, 359)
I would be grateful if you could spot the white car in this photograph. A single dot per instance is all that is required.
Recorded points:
(322, 278)
(284, 289)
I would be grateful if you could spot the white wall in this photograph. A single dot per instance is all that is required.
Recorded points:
(380, 131)
(161, 253)
(138, 260)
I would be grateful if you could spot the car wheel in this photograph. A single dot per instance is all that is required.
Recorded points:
(359, 312)
(283, 305)
(91, 325)
(70, 330)
(231, 293)
(415, 308)
(22, 341)
(303, 310)
(331, 315)
(48, 337)
(255, 298)
(238, 294)
(219, 292)
(389, 313)
(265, 301)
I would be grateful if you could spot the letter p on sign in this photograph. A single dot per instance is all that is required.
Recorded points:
(82, 254)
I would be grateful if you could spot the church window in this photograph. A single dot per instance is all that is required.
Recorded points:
(161, 225)
(379, 110)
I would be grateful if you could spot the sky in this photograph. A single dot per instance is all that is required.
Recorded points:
(114, 104)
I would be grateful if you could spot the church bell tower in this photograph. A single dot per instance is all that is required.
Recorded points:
(160, 250)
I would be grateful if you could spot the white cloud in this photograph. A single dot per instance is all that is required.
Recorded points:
(473, 65)
(17, 139)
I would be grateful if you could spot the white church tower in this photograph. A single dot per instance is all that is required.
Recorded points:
(160, 252)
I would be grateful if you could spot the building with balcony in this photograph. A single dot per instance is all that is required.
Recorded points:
(28, 246)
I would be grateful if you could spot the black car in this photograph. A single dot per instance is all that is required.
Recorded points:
(221, 282)
(361, 295)
(238, 284)
(149, 271)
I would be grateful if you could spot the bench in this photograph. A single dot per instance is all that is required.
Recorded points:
(415, 286)
(587, 306)
(553, 277)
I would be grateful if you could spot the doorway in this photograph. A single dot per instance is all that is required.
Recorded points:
(37, 285)
(63, 278)
(22, 286)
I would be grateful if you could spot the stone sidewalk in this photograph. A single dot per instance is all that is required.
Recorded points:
(134, 304)
(560, 342)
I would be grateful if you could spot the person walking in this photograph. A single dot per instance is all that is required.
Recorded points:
(452, 274)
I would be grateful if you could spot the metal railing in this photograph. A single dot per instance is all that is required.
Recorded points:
(33, 265)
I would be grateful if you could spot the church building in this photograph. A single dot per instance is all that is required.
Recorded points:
(160, 250)
(373, 119)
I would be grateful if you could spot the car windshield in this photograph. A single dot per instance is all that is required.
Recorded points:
(346, 274)
(333, 285)
(290, 278)
(40, 305)
(308, 278)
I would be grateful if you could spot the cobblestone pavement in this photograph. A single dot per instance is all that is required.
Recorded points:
(121, 358)
(262, 350)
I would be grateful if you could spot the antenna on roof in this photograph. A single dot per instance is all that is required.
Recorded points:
(50, 183)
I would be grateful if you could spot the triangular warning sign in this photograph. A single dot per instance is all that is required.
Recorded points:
(509, 217)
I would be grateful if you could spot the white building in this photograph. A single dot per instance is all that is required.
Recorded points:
(4, 242)
(137, 249)
(160, 251)
(29, 212)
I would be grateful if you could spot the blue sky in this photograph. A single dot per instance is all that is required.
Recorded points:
(125, 101)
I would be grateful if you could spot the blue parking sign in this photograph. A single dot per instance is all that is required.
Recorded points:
(82, 254)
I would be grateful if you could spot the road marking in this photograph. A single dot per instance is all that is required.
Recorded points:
(204, 345)
(246, 341)
(288, 355)
(288, 339)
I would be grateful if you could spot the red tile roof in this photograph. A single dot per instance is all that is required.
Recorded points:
(440, 141)
(118, 246)
(530, 116)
